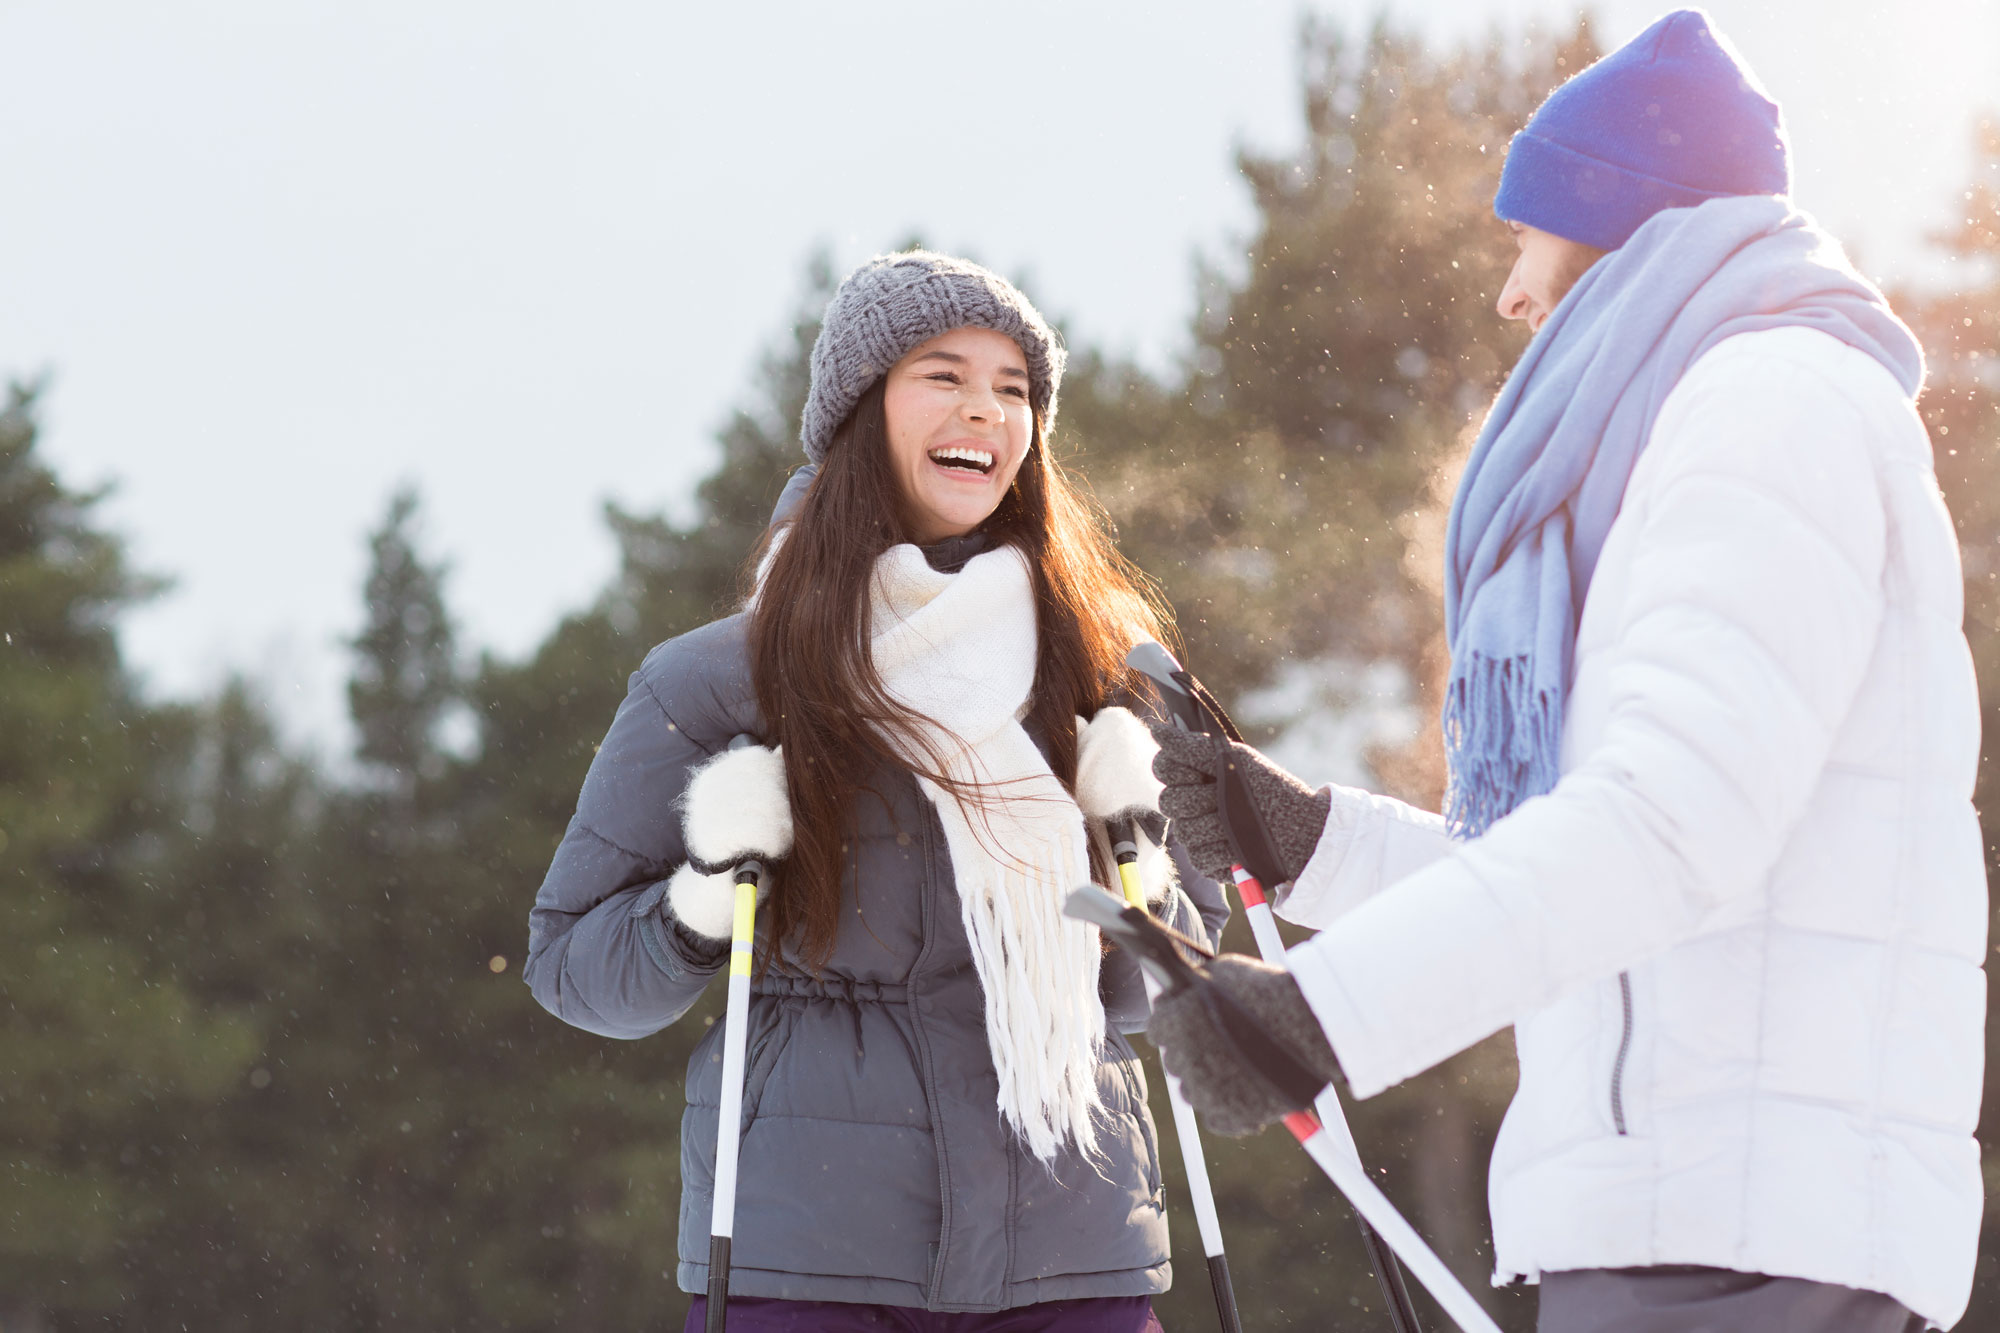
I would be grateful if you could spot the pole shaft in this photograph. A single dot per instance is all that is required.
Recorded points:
(1374, 1208)
(1389, 1276)
(1333, 1120)
(1203, 1194)
(1193, 1160)
(729, 1115)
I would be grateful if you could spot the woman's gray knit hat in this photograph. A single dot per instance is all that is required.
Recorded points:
(894, 302)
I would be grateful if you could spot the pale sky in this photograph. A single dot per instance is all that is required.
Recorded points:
(278, 257)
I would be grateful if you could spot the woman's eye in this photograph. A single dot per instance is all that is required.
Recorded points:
(1016, 390)
(944, 377)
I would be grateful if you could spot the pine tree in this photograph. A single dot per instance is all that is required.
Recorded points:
(397, 892)
(102, 1052)
(245, 939)
(404, 675)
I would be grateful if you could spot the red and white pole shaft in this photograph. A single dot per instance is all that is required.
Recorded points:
(1327, 1139)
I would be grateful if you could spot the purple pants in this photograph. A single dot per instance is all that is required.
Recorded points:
(1105, 1314)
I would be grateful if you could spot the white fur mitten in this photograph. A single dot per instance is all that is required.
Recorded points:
(1114, 781)
(706, 904)
(1114, 766)
(735, 809)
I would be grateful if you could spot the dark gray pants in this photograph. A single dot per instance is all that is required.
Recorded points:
(1685, 1299)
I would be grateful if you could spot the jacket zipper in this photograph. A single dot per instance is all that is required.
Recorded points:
(1624, 1048)
(927, 907)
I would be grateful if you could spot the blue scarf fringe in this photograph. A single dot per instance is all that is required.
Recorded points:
(1502, 739)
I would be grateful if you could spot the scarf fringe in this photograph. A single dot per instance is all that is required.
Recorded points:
(1048, 1070)
(1502, 739)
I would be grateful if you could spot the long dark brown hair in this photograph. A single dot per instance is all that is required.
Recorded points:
(817, 686)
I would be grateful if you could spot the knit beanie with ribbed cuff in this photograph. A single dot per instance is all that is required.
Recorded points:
(1671, 119)
(894, 302)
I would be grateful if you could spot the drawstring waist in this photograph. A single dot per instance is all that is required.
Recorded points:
(832, 988)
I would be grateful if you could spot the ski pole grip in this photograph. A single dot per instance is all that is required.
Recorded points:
(1158, 665)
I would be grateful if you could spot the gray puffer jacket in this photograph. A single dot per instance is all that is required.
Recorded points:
(875, 1167)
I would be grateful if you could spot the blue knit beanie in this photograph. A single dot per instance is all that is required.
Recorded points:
(1669, 120)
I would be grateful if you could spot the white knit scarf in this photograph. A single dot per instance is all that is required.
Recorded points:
(959, 651)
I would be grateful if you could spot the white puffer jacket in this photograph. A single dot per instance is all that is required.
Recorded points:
(1740, 942)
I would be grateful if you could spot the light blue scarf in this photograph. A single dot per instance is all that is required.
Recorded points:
(1549, 469)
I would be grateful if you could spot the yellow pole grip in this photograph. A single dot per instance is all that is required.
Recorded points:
(743, 937)
(1128, 876)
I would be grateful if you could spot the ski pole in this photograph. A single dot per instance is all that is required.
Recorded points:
(1328, 1130)
(729, 1127)
(1125, 850)
(1159, 951)
(1195, 708)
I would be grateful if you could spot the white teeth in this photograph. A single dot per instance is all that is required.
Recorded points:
(979, 458)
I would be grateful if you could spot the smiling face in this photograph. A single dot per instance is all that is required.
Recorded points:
(959, 425)
(1548, 266)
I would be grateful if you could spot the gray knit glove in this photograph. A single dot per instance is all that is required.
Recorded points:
(1232, 1093)
(1232, 806)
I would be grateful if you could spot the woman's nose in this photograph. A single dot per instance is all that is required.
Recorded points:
(983, 405)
